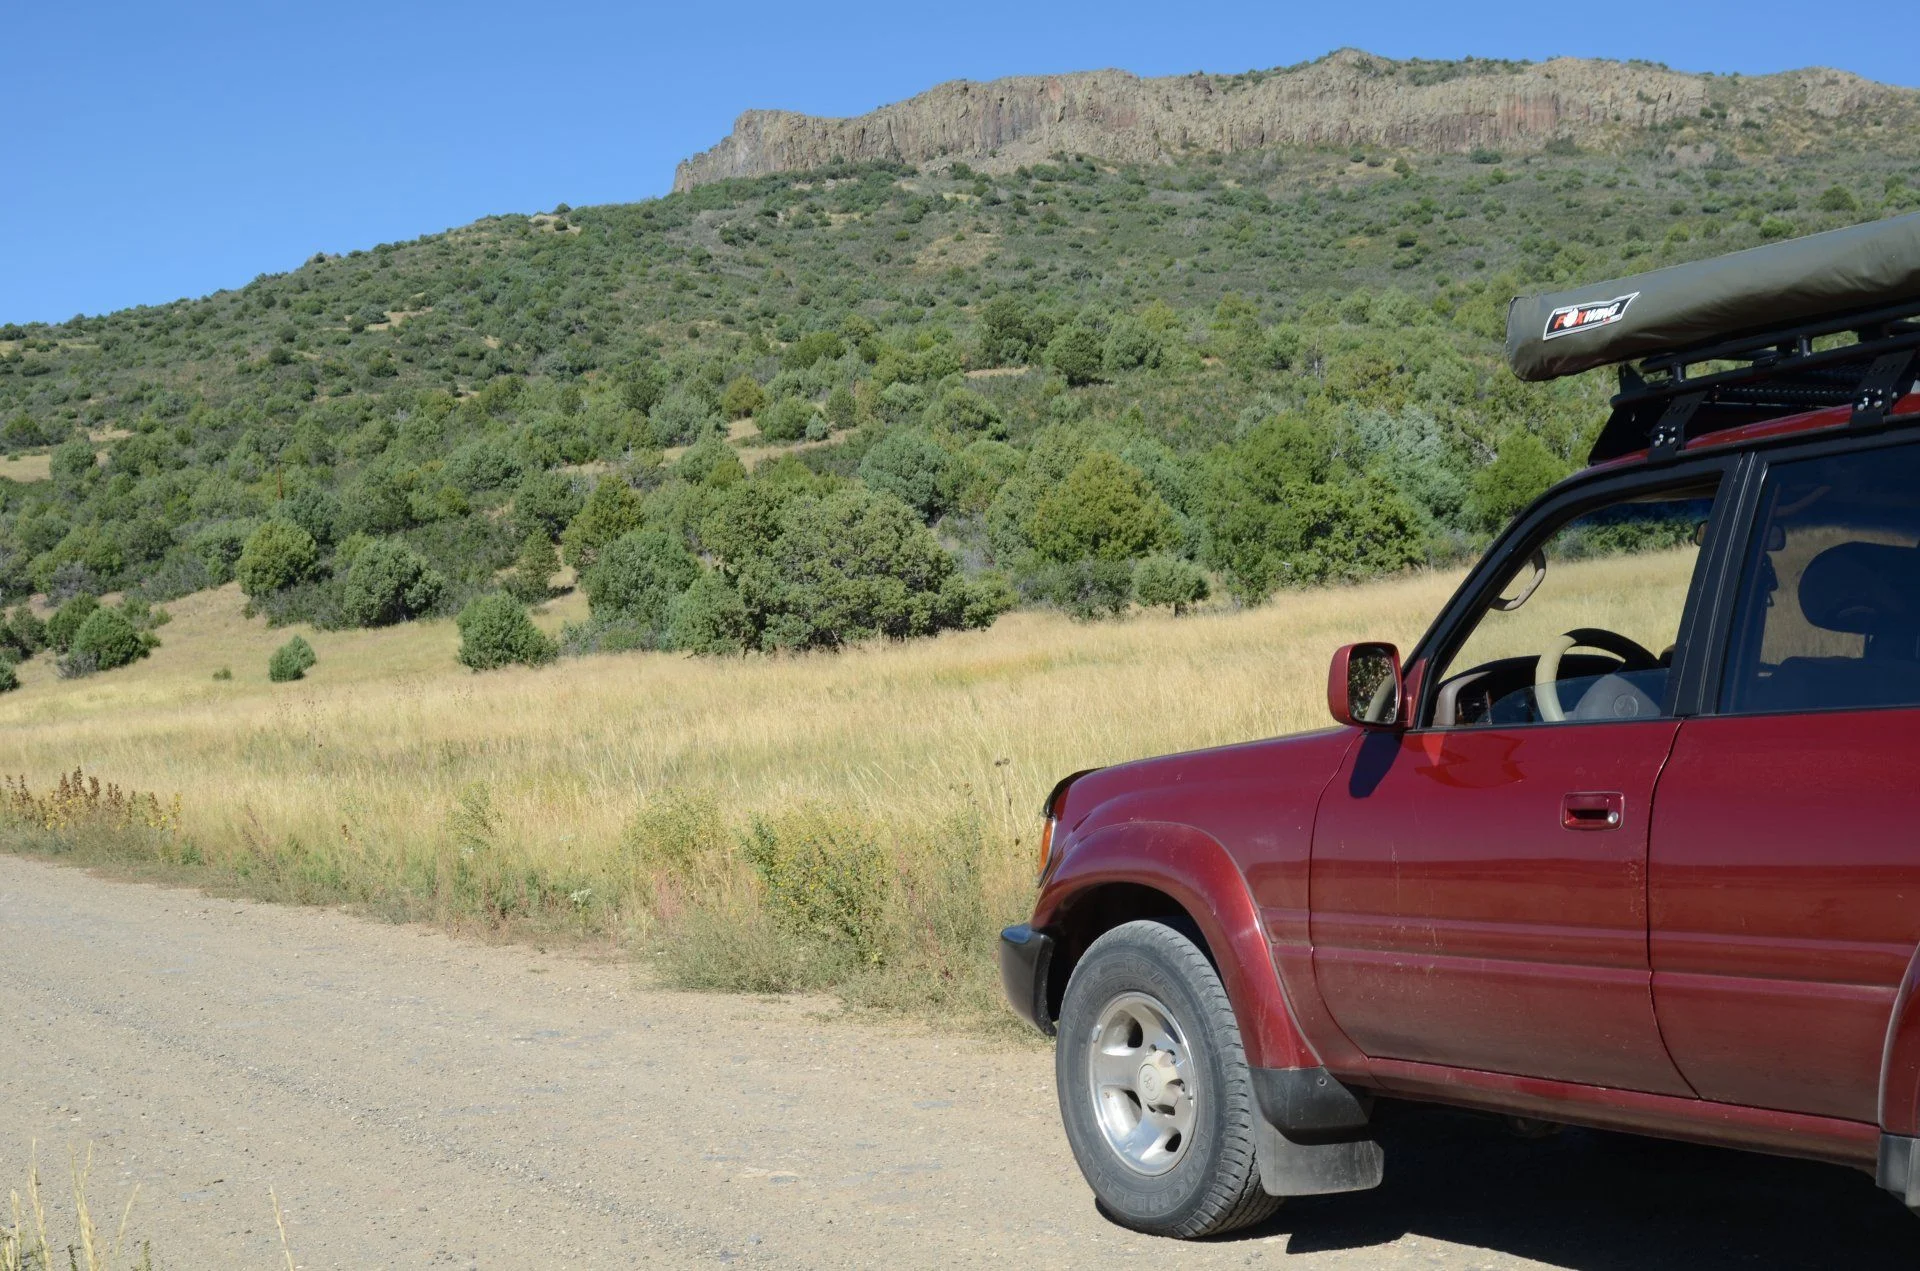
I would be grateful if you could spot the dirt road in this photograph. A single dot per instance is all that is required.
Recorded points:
(421, 1101)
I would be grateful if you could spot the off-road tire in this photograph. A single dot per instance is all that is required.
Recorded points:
(1215, 1185)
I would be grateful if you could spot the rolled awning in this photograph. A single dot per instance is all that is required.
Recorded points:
(1746, 293)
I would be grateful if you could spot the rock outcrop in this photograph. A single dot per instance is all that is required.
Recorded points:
(1348, 98)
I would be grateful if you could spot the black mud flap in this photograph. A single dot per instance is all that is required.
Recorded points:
(1313, 1136)
(1315, 1169)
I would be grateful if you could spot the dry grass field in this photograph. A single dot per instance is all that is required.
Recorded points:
(26, 467)
(859, 818)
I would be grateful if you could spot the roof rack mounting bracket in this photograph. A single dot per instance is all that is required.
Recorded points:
(1670, 434)
(1884, 384)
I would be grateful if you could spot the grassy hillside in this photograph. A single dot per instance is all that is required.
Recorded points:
(1160, 314)
(862, 819)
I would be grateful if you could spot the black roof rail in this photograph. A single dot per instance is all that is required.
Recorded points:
(1689, 392)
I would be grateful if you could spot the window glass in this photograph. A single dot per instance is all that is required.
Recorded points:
(1829, 609)
(1585, 629)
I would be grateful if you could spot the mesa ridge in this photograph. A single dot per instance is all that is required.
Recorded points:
(1348, 98)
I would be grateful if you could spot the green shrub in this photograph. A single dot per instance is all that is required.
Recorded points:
(66, 620)
(1012, 331)
(376, 504)
(107, 640)
(276, 556)
(641, 386)
(313, 510)
(826, 877)
(786, 419)
(545, 503)
(610, 511)
(743, 397)
(495, 631)
(815, 346)
(1087, 589)
(680, 835)
(842, 411)
(710, 461)
(1076, 354)
(913, 468)
(485, 464)
(709, 617)
(290, 661)
(638, 575)
(218, 549)
(847, 566)
(388, 583)
(965, 411)
(73, 464)
(1105, 509)
(531, 581)
(1170, 581)
(681, 417)
(1317, 532)
(1838, 198)
(224, 673)
(975, 602)
(24, 634)
(1519, 474)
(1131, 343)
(9, 677)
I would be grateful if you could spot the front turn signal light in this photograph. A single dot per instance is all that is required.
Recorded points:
(1046, 846)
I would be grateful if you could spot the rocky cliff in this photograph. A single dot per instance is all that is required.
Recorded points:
(1348, 98)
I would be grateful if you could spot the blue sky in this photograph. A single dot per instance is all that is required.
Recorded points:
(156, 151)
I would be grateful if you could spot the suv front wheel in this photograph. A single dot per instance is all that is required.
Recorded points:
(1153, 1086)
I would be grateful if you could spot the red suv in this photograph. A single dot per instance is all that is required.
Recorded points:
(1631, 838)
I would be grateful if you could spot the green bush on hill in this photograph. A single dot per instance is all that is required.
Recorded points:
(709, 617)
(67, 619)
(612, 509)
(638, 576)
(291, 661)
(786, 419)
(743, 397)
(276, 556)
(1087, 588)
(531, 581)
(913, 468)
(104, 641)
(1170, 581)
(388, 582)
(23, 634)
(495, 632)
(850, 565)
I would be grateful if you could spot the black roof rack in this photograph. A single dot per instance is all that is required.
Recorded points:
(1780, 372)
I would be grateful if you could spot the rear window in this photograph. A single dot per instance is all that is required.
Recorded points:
(1829, 613)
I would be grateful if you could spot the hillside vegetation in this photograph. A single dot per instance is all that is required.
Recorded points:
(1258, 370)
(861, 820)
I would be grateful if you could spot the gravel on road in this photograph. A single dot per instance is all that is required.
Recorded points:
(418, 1100)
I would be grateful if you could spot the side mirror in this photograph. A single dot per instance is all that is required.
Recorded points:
(1364, 686)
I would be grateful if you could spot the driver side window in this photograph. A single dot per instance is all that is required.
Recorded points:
(1585, 630)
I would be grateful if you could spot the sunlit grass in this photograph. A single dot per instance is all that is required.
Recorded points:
(392, 771)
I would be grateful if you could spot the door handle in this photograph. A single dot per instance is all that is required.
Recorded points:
(1593, 810)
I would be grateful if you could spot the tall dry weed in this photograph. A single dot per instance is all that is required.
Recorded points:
(861, 820)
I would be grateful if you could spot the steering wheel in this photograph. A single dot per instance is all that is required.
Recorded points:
(1546, 671)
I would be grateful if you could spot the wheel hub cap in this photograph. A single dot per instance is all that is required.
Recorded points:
(1141, 1079)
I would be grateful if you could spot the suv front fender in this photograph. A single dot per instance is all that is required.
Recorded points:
(1195, 872)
